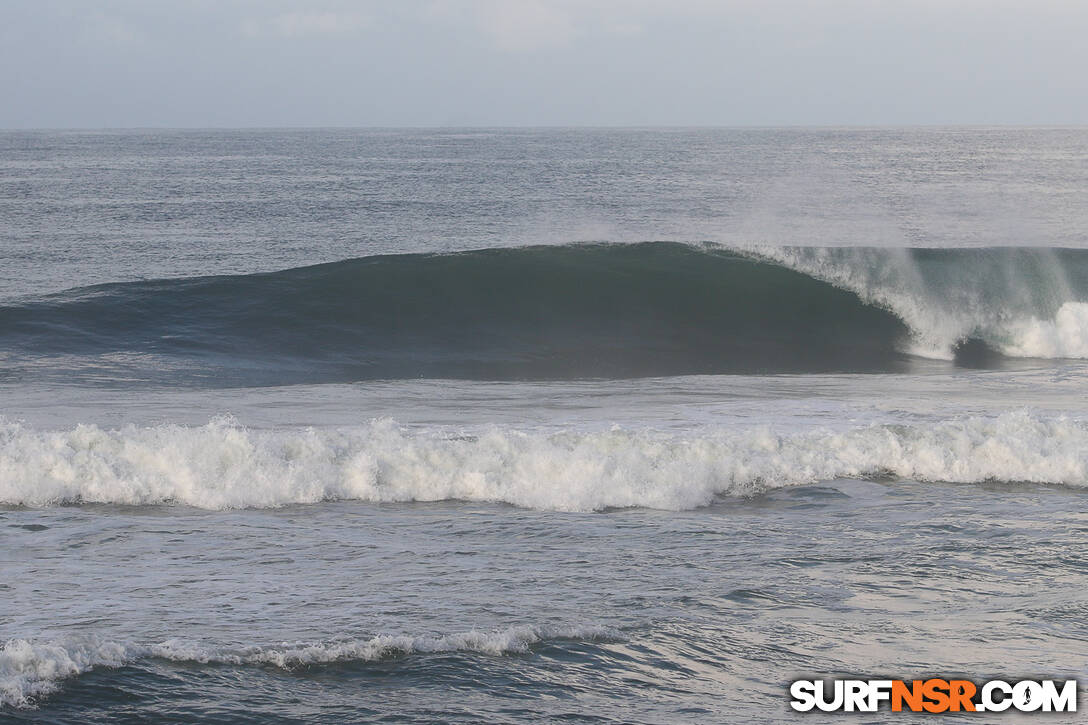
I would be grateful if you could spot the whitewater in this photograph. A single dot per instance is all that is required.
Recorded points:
(324, 426)
(222, 465)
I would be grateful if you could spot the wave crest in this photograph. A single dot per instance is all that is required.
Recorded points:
(30, 670)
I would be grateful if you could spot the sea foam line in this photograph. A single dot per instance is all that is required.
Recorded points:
(31, 670)
(222, 465)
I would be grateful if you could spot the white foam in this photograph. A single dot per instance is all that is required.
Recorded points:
(1066, 336)
(31, 670)
(223, 465)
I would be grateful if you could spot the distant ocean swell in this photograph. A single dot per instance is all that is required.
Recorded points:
(222, 465)
(590, 310)
(30, 670)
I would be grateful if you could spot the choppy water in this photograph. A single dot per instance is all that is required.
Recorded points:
(704, 412)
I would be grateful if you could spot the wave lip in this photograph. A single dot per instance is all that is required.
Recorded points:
(31, 670)
(222, 465)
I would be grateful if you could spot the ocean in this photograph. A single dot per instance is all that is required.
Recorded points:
(536, 425)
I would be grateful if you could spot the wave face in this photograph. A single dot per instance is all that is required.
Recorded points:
(30, 670)
(221, 465)
(595, 310)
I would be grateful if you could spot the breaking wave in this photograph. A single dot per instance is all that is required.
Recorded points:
(1027, 302)
(588, 310)
(222, 465)
(30, 670)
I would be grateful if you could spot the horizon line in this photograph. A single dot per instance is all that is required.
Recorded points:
(572, 127)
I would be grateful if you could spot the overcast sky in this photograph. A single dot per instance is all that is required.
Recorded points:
(122, 63)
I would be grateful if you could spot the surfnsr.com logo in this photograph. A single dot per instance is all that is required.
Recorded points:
(934, 695)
